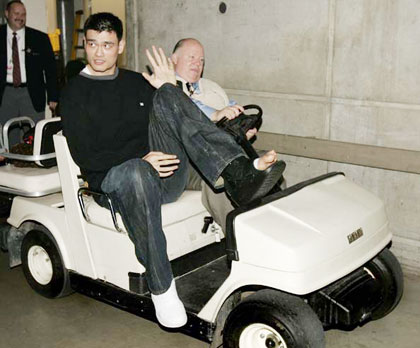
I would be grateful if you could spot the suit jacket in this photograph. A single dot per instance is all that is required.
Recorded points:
(39, 60)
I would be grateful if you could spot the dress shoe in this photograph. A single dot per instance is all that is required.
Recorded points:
(244, 183)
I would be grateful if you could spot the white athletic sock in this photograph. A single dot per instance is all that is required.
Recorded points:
(170, 311)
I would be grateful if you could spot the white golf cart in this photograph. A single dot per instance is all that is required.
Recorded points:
(302, 260)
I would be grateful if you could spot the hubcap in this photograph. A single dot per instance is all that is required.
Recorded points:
(261, 336)
(39, 264)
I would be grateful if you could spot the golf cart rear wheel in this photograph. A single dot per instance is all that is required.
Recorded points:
(271, 319)
(387, 271)
(43, 266)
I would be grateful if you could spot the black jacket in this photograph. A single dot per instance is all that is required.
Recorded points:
(39, 59)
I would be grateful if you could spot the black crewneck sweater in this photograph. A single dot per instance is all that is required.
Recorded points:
(105, 120)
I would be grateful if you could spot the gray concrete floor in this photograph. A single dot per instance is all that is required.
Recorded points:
(29, 320)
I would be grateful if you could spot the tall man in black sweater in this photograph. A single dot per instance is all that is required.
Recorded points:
(134, 143)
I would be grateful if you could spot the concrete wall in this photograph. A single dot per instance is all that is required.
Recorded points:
(330, 69)
(37, 14)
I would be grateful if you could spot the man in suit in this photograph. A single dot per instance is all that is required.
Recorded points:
(27, 70)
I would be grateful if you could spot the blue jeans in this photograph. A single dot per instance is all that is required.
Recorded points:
(177, 127)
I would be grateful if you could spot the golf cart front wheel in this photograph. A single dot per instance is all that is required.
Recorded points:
(386, 269)
(43, 266)
(261, 335)
(271, 319)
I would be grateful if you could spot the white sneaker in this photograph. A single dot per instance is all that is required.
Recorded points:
(170, 311)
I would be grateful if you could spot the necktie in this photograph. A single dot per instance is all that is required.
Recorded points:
(16, 65)
(192, 87)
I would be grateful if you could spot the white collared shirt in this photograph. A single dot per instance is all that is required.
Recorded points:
(20, 36)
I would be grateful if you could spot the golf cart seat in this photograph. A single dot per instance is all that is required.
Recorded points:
(189, 204)
(179, 219)
(32, 181)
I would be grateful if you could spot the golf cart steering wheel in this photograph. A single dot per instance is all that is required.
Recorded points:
(257, 117)
(239, 126)
(256, 107)
(243, 123)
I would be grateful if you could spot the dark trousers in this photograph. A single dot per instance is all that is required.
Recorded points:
(17, 102)
(177, 127)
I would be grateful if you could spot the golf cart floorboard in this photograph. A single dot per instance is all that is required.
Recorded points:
(137, 304)
(198, 276)
(197, 287)
(194, 288)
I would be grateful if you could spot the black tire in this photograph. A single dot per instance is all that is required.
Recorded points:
(387, 271)
(4, 232)
(271, 318)
(43, 266)
(5, 205)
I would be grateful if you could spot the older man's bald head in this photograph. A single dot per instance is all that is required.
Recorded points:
(188, 57)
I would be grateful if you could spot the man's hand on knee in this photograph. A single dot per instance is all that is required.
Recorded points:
(163, 163)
